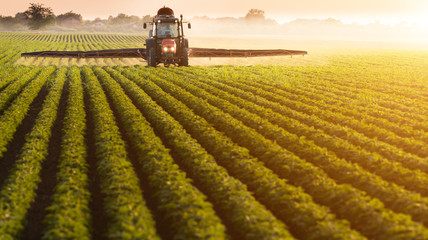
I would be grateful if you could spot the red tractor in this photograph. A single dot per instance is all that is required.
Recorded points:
(166, 43)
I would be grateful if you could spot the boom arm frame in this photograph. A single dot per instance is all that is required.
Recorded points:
(142, 53)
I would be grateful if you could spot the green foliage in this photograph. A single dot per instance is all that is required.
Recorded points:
(68, 216)
(69, 19)
(39, 16)
(267, 187)
(184, 207)
(324, 150)
(8, 22)
(126, 209)
(16, 112)
(122, 18)
(286, 164)
(255, 15)
(229, 195)
(15, 87)
(393, 196)
(19, 190)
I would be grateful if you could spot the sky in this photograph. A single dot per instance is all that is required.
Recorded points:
(348, 11)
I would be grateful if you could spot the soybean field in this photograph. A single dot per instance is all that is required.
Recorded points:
(111, 149)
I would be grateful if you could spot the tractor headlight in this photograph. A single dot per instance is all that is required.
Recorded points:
(172, 49)
(165, 49)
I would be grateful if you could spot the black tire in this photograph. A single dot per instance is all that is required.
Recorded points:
(151, 57)
(185, 59)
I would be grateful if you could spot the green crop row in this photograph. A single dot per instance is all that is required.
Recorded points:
(182, 205)
(128, 216)
(306, 219)
(184, 208)
(324, 111)
(19, 190)
(414, 180)
(413, 120)
(16, 43)
(8, 55)
(15, 114)
(405, 102)
(402, 86)
(72, 38)
(230, 196)
(389, 91)
(15, 88)
(237, 206)
(11, 57)
(313, 180)
(303, 104)
(68, 216)
(348, 79)
(5, 52)
(388, 151)
(393, 196)
(324, 102)
(8, 74)
(373, 103)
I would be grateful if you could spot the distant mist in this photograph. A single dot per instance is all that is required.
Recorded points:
(307, 29)
(253, 25)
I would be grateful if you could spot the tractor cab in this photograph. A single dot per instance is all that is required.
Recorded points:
(166, 29)
(166, 43)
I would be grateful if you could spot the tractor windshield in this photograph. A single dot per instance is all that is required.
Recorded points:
(167, 30)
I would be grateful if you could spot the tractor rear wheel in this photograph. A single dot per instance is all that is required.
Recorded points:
(151, 58)
(185, 59)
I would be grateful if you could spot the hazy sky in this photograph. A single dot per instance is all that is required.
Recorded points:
(362, 11)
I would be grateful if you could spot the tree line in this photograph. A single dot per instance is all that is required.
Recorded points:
(38, 16)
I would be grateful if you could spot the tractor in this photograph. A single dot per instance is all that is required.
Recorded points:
(166, 43)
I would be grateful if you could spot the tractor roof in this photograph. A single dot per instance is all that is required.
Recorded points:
(169, 19)
(165, 11)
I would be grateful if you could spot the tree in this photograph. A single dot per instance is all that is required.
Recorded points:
(122, 18)
(39, 16)
(147, 18)
(69, 19)
(8, 22)
(255, 15)
(22, 18)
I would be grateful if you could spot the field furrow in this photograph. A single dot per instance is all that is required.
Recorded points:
(13, 116)
(124, 204)
(357, 113)
(369, 105)
(390, 152)
(262, 181)
(323, 111)
(333, 145)
(312, 179)
(25, 177)
(68, 216)
(229, 196)
(289, 78)
(182, 205)
(350, 174)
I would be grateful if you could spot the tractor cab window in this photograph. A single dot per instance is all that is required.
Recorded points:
(167, 30)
